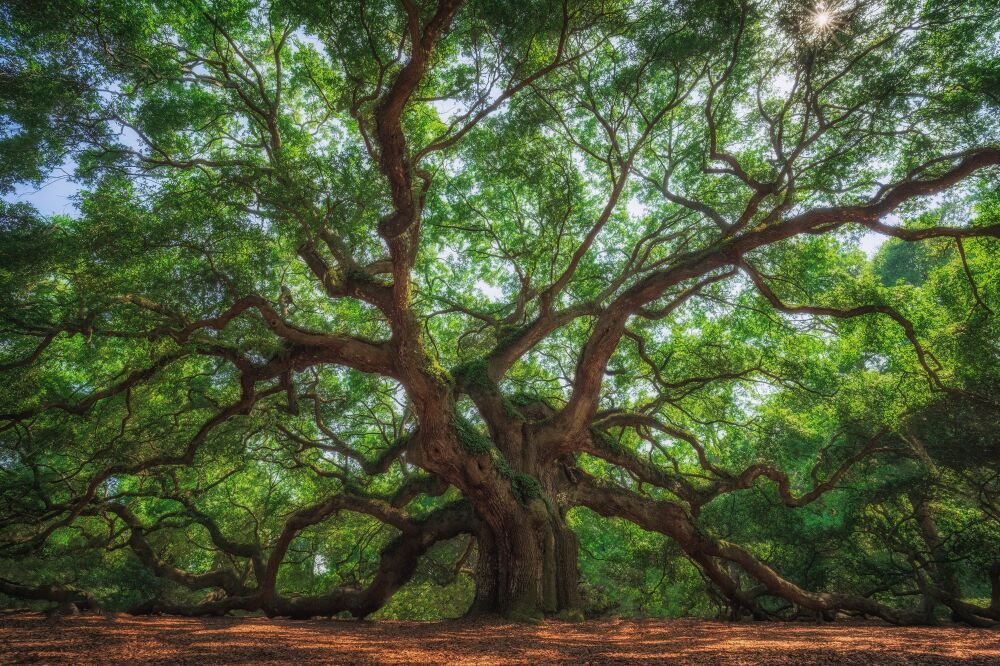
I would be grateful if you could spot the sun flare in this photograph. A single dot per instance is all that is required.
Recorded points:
(823, 20)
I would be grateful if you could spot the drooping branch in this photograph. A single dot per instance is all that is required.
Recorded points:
(61, 594)
(397, 562)
(221, 578)
(671, 520)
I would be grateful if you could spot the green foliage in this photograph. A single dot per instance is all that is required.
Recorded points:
(473, 375)
(525, 487)
(474, 441)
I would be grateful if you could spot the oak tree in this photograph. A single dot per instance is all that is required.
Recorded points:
(459, 268)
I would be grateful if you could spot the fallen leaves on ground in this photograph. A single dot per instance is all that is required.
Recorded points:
(28, 638)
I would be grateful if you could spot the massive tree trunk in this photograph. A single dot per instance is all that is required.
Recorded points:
(528, 564)
(527, 553)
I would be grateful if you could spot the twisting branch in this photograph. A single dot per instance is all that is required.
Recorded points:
(888, 311)
(394, 159)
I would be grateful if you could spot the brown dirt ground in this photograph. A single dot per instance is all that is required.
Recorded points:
(28, 638)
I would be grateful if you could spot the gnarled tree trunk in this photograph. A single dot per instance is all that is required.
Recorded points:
(528, 564)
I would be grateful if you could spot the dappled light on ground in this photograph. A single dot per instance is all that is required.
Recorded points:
(28, 638)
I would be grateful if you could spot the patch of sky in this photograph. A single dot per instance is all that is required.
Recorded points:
(490, 291)
(636, 209)
(56, 195)
(449, 109)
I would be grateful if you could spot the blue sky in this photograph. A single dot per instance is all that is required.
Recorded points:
(53, 197)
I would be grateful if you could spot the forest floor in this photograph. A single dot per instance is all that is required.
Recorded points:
(29, 638)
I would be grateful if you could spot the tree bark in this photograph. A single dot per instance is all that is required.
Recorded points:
(527, 565)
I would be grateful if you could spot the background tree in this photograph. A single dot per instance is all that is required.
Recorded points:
(628, 231)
